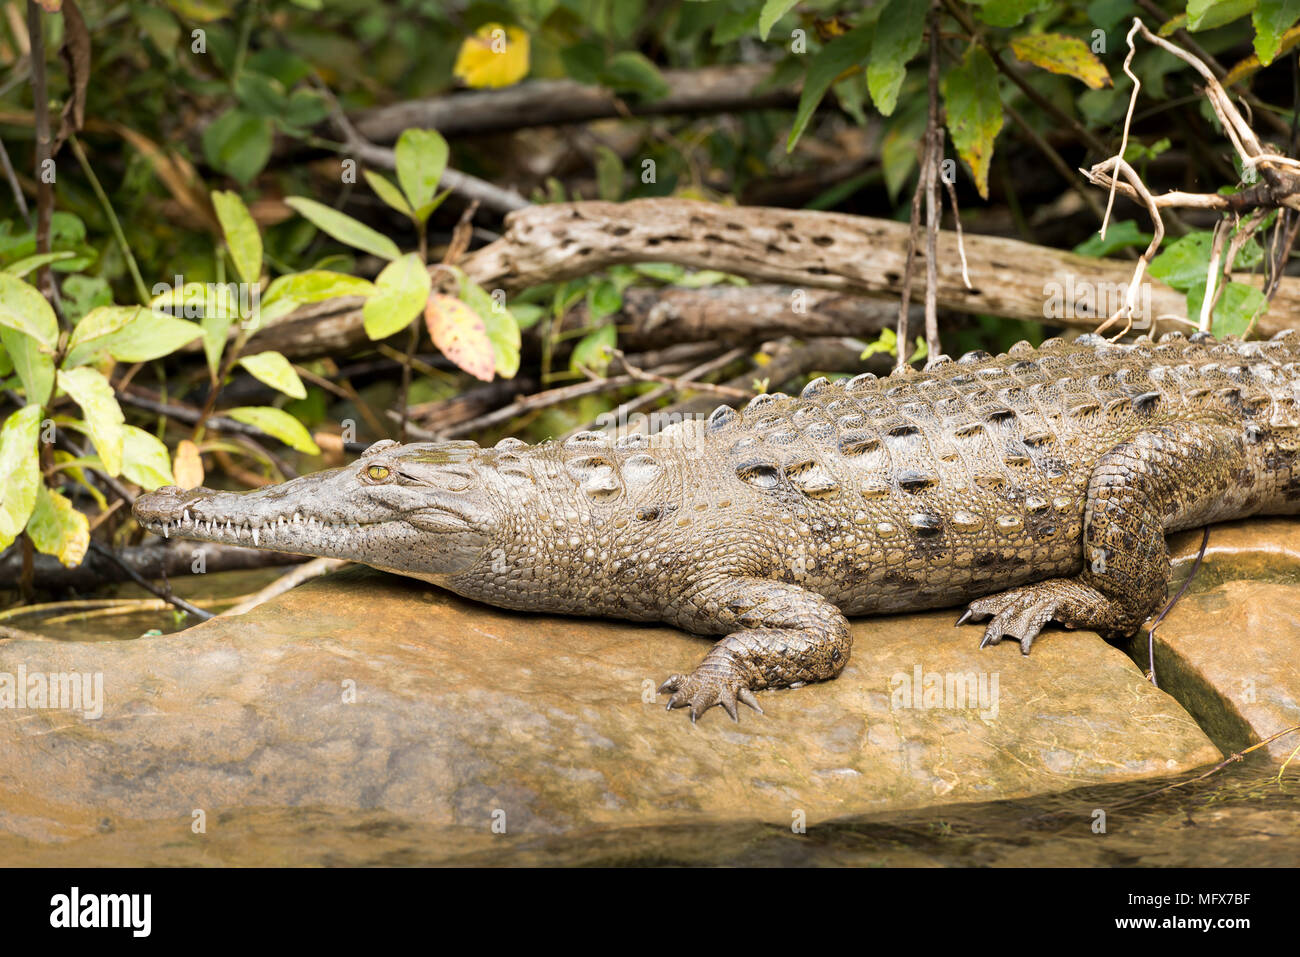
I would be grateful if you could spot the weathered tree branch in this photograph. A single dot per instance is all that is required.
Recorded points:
(848, 256)
(174, 559)
(719, 89)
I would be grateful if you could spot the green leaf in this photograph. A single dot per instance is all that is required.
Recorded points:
(499, 322)
(1183, 263)
(773, 10)
(33, 363)
(344, 228)
(898, 36)
(609, 174)
(590, 352)
(57, 528)
(260, 94)
(24, 309)
(1208, 14)
(20, 471)
(886, 342)
(830, 61)
(315, 285)
(1008, 13)
(149, 335)
(276, 371)
(898, 147)
(1237, 307)
(527, 314)
(100, 322)
(90, 390)
(632, 72)
(216, 330)
(242, 238)
(83, 293)
(402, 291)
(1272, 18)
(145, 460)
(304, 109)
(1058, 53)
(389, 193)
(29, 263)
(970, 93)
(1119, 235)
(603, 299)
(238, 143)
(276, 423)
(424, 212)
(421, 158)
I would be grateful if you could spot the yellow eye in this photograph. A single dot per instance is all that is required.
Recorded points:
(377, 472)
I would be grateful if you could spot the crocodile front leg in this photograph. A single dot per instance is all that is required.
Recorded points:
(778, 636)
(1175, 476)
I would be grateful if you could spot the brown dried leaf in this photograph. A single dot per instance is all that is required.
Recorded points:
(187, 466)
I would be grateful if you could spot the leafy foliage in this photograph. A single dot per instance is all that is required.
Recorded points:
(230, 202)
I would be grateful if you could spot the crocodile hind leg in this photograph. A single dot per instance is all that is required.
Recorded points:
(1174, 476)
(777, 636)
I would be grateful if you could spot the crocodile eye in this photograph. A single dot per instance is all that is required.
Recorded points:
(377, 472)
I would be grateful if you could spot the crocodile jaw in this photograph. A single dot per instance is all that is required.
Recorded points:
(254, 519)
(322, 515)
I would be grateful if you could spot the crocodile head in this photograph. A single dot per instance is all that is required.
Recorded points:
(418, 509)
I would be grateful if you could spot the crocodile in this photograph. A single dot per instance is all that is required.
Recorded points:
(1033, 486)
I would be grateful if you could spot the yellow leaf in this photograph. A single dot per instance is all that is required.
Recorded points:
(1251, 65)
(1058, 53)
(187, 466)
(494, 56)
(459, 332)
(57, 528)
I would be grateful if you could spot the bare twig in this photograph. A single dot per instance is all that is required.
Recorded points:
(164, 593)
(291, 579)
(682, 383)
(1151, 632)
(1127, 310)
(491, 196)
(934, 134)
(19, 199)
(43, 151)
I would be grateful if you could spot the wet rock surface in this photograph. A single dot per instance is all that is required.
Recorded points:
(1229, 651)
(379, 699)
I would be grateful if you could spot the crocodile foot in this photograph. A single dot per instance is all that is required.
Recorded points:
(717, 681)
(1021, 613)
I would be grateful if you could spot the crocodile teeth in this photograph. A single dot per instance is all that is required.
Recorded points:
(297, 517)
(255, 531)
(165, 535)
(185, 515)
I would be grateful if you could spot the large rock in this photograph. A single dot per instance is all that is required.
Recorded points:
(366, 693)
(1230, 649)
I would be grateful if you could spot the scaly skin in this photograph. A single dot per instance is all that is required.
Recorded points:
(1037, 485)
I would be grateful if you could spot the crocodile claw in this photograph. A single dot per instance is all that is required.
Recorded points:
(704, 688)
(1021, 613)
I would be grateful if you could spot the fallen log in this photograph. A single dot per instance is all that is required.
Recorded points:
(650, 317)
(717, 89)
(854, 256)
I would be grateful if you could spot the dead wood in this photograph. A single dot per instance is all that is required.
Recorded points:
(719, 89)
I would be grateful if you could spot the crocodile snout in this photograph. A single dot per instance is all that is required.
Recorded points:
(165, 503)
